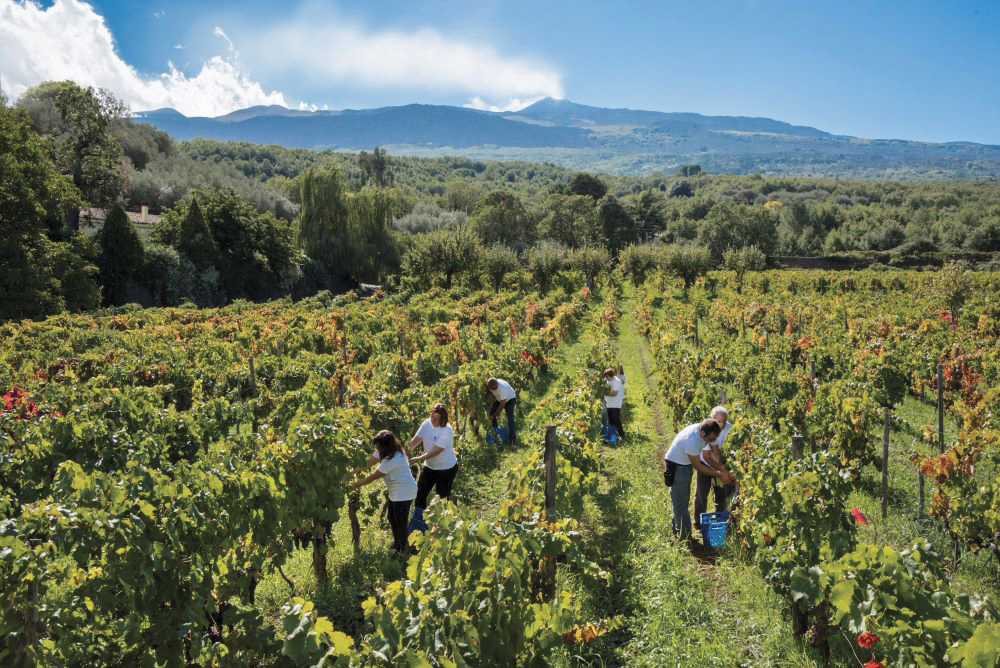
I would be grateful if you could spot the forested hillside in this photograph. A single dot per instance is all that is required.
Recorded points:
(245, 221)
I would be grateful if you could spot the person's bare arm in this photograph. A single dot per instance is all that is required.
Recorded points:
(430, 454)
(371, 477)
(704, 468)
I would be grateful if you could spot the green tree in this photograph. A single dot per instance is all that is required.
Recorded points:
(460, 196)
(570, 220)
(730, 225)
(80, 123)
(591, 261)
(647, 211)
(447, 252)
(587, 185)
(743, 260)
(544, 262)
(638, 260)
(376, 167)
(38, 274)
(120, 258)
(501, 218)
(497, 261)
(617, 225)
(323, 225)
(195, 240)
(257, 257)
(75, 272)
(687, 262)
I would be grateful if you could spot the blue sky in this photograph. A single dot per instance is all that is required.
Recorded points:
(926, 70)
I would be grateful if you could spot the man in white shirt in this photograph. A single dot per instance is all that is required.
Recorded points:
(504, 398)
(711, 456)
(614, 399)
(682, 458)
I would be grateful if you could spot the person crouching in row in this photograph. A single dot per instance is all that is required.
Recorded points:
(682, 459)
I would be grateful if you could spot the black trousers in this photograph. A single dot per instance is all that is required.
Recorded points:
(615, 420)
(399, 518)
(440, 481)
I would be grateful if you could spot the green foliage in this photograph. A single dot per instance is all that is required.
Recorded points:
(497, 261)
(687, 262)
(639, 260)
(121, 256)
(376, 167)
(80, 123)
(545, 261)
(570, 220)
(587, 185)
(195, 240)
(618, 227)
(743, 260)
(501, 218)
(444, 252)
(39, 276)
(735, 226)
(256, 257)
(590, 261)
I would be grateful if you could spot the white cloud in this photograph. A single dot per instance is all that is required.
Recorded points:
(334, 50)
(160, 14)
(513, 104)
(179, 46)
(69, 40)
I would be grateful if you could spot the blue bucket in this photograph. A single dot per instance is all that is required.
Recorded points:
(609, 434)
(496, 436)
(713, 529)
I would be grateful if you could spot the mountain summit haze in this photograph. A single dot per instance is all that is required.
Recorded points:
(624, 141)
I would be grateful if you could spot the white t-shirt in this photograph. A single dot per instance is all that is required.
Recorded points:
(399, 480)
(441, 437)
(504, 391)
(687, 442)
(615, 401)
(719, 442)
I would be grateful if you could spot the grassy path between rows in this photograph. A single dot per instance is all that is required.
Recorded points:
(679, 610)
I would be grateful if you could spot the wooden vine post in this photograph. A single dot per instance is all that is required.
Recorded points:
(343, 373)
(548, 568)
(940, 406)
(253, 394)
(885, 463)
(798, 447)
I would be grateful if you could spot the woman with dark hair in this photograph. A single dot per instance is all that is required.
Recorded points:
(399, 483)
(440, 462)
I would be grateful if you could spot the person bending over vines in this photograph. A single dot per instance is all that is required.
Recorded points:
(394, 468)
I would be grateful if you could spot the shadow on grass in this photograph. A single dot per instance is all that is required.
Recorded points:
(354, 580)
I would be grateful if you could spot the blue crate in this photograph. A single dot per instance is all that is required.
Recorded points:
(496, 436)
(713, 529)
(609, 434)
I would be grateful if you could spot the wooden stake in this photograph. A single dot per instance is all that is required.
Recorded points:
(722, 397)
(353, 503)
(548, 567)
(798, 446)
(940, 406)
(885, 463)
(920, 496)
(697, 343)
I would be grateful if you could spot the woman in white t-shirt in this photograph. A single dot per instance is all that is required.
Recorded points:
(440, 462)
(394, 467)
(614, 399)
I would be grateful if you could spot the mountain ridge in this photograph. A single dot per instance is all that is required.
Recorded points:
(595, 138)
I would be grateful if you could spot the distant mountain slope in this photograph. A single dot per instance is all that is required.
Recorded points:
(414, 124)
(578, 136)
(564, 112)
